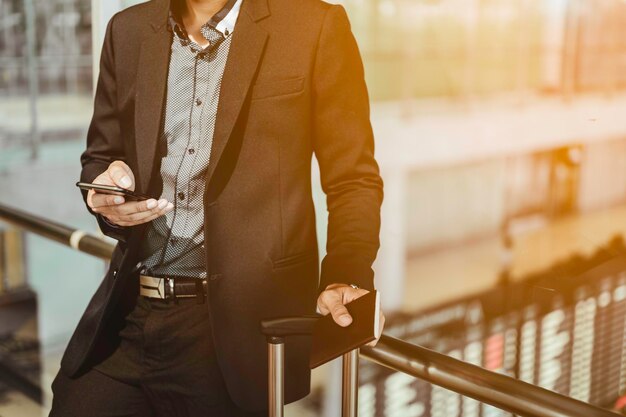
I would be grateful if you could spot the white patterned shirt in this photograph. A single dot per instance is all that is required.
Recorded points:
(174, 243)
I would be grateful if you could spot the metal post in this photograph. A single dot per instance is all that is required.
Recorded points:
(15, 267)
(33, 76)
(3, 261)
(276, 359)
(350, 384)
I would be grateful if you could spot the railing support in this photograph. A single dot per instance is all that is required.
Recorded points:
(12, 260)
(276, 384)
(350, 383)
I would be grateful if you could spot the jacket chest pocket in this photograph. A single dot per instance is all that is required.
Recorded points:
(264, 89)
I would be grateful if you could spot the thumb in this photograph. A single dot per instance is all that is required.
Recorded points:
(340, 313)
(121, 175)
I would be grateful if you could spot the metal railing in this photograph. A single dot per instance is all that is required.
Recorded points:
(489, 387)
(74, 238)
(486, 386)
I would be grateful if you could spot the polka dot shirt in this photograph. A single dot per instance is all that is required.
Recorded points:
(174, 243)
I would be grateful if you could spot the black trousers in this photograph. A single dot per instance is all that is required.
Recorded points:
(165, 365)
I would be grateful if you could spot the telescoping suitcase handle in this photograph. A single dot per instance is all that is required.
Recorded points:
(275, 331)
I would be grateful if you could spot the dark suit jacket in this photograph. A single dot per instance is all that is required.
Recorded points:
(293, 86)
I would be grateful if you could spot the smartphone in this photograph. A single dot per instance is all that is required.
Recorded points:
(113, 190)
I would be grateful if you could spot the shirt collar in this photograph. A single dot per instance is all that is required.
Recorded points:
(223, 21)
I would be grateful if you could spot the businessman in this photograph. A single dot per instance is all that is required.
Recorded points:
(214, 108)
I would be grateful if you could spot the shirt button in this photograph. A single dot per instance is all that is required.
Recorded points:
(198, 102)
(181, 196)
(191, 151)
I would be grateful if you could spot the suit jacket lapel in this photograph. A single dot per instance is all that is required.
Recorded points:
(245, 53)
(149, 102)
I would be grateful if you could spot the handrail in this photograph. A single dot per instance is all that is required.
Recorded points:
(75, 238)
(486, 386)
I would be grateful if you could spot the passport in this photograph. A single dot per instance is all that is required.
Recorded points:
(330, 340)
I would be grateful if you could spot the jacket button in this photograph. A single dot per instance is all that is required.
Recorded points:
(115, 273)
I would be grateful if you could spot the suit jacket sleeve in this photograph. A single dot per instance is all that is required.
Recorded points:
(104, 143)
(344, 146)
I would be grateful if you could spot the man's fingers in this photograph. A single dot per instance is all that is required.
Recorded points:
(331, 302)
(341, 315)
(90, 194)
(139, 217)
(350, 294)
(151, 216)
(101, 199)
(120, 176)
(333, 299)
(140, 206)
(132, 212)
(132, 207)
(144, 216)
(325, 300)
(125, 167)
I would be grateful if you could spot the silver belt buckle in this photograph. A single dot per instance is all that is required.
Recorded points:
(152, 287)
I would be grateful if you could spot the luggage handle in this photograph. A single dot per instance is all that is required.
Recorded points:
(282, 327)
(275, 331)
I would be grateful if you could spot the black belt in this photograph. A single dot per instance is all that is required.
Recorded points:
(168, 288)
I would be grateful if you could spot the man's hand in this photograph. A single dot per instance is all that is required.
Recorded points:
(333, 300)
(115, 208)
